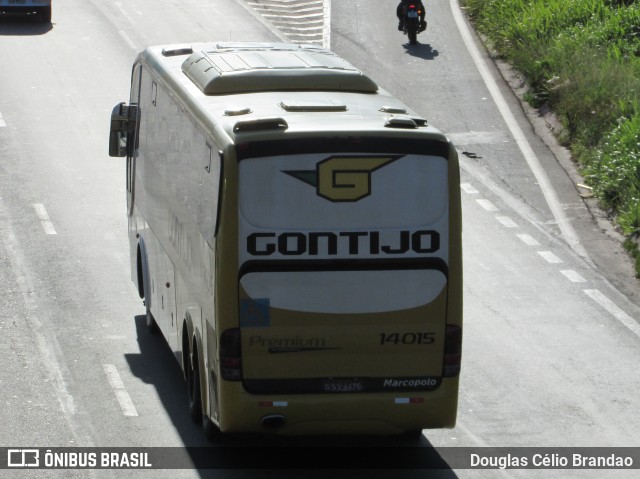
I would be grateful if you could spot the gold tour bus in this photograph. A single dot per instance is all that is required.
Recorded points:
(295, 233)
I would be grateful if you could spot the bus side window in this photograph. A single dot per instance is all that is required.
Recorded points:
(213, 166)
(133, 141)
(207, 166)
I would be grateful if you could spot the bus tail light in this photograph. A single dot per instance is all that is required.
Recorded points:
(230, 355)
(452, 351)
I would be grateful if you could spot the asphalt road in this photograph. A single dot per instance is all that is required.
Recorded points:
(552, 339)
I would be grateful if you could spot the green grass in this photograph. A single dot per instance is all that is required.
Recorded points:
(582, 58)
(632, 247)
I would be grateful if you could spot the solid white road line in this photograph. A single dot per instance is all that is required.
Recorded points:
(540, 174)
(614, 310)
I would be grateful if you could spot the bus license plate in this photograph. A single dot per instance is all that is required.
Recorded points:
(343, 386)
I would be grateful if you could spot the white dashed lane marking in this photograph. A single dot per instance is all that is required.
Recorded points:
(468, 188)
(118, 388)
(528, 240)
(550, 257)
(572, 275)
(44, 219)
(487, 205)
(550, 195)
(507, 222)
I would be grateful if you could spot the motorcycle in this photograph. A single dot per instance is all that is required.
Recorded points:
(412, 25)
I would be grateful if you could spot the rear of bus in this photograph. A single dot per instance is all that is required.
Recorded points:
(349, 285)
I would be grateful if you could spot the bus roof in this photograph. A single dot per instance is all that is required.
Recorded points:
(243, 68)
(256, 87)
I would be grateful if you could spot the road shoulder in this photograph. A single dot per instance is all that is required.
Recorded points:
(596, 230)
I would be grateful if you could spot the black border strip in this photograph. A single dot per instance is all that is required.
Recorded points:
(403, 264)
(256, 452)
(342, 144)
(323, 385)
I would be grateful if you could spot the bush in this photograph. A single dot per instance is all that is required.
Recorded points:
(614, 170)
(582, 58)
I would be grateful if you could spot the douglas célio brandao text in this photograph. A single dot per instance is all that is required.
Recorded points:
(551, 460)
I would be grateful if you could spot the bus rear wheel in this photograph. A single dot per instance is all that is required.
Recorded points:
(193, 386)
(211, 431)
(413, 435)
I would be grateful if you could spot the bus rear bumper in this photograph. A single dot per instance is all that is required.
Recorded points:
(386, 413)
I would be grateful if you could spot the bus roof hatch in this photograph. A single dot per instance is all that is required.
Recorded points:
(224, 69)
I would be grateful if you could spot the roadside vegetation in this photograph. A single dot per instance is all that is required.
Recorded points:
(582, 59)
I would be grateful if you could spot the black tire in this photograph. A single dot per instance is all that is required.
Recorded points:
(193, 387)
(412, 33)
(413, 435)
(211, 431)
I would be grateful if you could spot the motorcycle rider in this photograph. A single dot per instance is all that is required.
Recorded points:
(400, 12)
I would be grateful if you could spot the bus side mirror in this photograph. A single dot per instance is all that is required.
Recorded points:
(123, 123)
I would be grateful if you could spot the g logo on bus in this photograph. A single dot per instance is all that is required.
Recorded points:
(343, 178)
